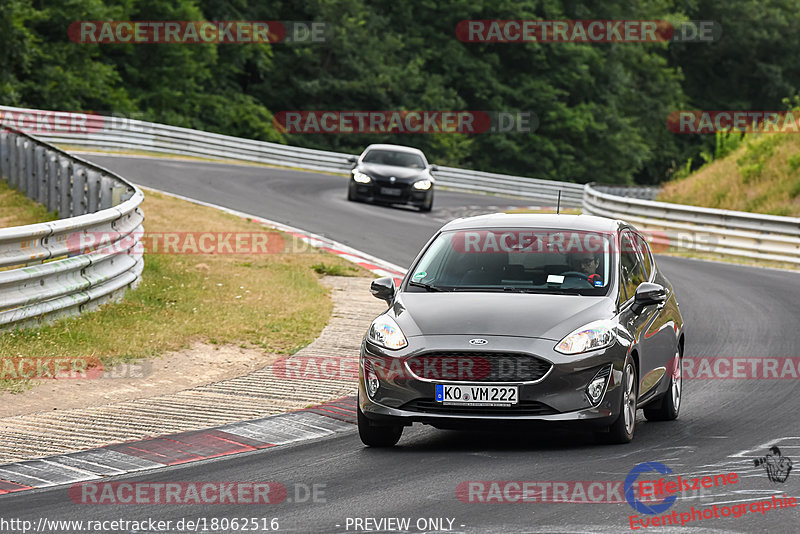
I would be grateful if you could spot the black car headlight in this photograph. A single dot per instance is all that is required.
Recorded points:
(361, 178)
(423, 185)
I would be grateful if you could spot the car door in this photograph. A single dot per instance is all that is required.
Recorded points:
(638, 323)
(662, 332)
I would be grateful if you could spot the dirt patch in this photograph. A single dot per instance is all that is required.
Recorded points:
(175, 371)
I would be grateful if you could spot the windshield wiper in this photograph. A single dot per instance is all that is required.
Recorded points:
(511, 289)
(426, 286)
(479, 288)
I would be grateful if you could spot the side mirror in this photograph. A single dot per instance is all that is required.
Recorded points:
(434, 168)
(648, 293)
(383, 288)
(352, 159)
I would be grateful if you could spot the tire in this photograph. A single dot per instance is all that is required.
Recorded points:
(351, 195)
(670, 406)
(377, 436)
(428, 206)
(622, 430)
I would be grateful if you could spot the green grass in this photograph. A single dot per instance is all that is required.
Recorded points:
(334, 269)
(273, 302)
(17, 210)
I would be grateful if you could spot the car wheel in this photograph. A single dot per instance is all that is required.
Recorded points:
(377, 436)
(428, 206)
(351, 195)
(670, 405)
(621, 431)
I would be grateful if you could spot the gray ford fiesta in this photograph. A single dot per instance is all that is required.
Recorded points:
(530, 319)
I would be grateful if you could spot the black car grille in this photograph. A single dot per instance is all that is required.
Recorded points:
(478, 366)
(381, 186)
(522, 408)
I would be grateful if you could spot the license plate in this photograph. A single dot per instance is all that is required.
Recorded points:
(392, 192)
(469, 395)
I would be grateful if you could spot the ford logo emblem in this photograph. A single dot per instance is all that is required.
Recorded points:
(478, 341)
(392, 179)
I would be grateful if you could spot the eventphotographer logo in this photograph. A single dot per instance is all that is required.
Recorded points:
(775, 464)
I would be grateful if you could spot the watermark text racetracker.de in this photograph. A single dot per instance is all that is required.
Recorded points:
(739, 368)
(198, 32)
(463, 367)
(541, 491)
(737, 121)
(201, 493)
(140, 242)
(587, 31)
(68, 368)
(405, 122)
(43, 122)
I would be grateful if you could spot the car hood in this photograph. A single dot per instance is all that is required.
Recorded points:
(497, 314)
(403, 174)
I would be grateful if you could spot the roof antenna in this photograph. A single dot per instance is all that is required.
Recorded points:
(558, 207)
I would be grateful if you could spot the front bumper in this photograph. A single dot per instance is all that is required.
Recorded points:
(377, 192)
(559, 397)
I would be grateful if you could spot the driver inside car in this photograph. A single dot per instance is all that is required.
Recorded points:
(587, 264)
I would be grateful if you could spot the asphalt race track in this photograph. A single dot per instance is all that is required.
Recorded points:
(731, 311)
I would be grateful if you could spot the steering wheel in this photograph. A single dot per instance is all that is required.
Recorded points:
(576, 273)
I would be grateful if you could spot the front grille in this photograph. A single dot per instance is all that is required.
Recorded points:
(478, 366)
(402, 188)
(522, 408)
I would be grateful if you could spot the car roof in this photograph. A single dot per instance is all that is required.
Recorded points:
(588, 223)
(396, 148)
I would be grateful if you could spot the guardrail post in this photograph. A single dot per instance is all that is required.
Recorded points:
(30, 170)
(42, 177)
(65, 186)
(78, 190)
(4, 147)
(54, 184)
(18, 171)
(92, 190)
(106, 193)
(12, 159)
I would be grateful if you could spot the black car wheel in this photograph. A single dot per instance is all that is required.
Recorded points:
(377, 436)
(670, 405)
(351, 195)
(428, 206)
(621, 431)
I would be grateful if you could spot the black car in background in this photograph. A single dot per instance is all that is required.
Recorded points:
(563, 319)
(392, 174)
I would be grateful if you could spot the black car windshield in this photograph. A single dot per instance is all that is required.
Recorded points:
(394, 158)
(525, 260)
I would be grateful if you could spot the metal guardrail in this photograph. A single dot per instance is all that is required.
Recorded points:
(700, 229)
(644, 192)
(726, 232)
(114, 133)
(49, 270)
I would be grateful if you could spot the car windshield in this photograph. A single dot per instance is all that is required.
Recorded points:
(394, 158)
(533, 260)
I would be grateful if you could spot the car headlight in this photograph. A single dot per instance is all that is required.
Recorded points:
(384, 332)
(361, 178)
(593, 336)
(423, 184)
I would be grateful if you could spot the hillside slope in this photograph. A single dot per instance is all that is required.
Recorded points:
(762, 175)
